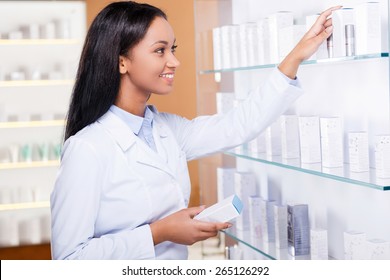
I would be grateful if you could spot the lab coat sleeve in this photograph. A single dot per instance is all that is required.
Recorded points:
(75, 206)
(206, 135)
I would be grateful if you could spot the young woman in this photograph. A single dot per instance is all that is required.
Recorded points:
(123, 187)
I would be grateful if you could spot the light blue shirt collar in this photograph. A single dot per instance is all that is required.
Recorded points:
(134, 122)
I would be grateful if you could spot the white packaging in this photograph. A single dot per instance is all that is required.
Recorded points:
(244, 186)
(217, 48)
(225, 182)
(225, 102)
(273, 141)
(288, 37)
(264, 37)
(63, 29)
(9, 232)
(340, 18)
(267, 220)
(368, 28)
(235, 46)
(260, 42)
(226, 47)
(290, 136)
(277, 21)
(45, 223)
(378, 249)
(358, 151)
(48, 30)
(252, 47)
(243, 59)
(354, 245)
(280, 220)
(309, 138)
(30, 231)
(17, 76)
(223, 211)
(15, 35)
(319, 244)
(331, 142)
(252, 146)
(382, 156)
(261, 143)
(321, 52)
(255, 216)
(31, 31)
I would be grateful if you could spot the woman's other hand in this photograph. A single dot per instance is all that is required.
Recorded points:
(181, 228)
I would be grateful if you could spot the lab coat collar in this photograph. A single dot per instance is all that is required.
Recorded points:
(125, 138)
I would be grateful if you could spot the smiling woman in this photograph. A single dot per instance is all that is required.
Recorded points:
(123, 187)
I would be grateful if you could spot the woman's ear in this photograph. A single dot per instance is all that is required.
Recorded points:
(122, 65)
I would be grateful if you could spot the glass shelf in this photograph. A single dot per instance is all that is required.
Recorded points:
(54, 123)
(33, 164)
(343, 174)
(7, 42)
(267, 249)
(306, 62)
(26, 205)
(29, 83)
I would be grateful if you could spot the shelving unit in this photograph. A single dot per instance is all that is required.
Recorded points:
(354, 88)
(33, 105)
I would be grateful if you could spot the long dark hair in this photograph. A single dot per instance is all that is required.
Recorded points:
(114, 31)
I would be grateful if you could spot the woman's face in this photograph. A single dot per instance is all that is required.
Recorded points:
(150, 66)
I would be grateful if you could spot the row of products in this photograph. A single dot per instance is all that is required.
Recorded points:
(59, 71)
(316, 140)
(15, 232)
(55, 29)
(23, 194)
(355, 31)
(26, 117)
(30, 152)
(288, 226)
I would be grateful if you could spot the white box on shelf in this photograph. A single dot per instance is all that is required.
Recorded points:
(298, 229)
(217, 48)
(267, 220)
(243, 55)
(234, 46)
(30, 31)
(288, 37)
(225, 182)
(255, 216)
(260, 42)
(382, 156)
(290, 136)
(310, 141)
(332, 142)
(341, 18)
(319, 244)
(244, 186)
(223, 211)
(354, 245)
(378, 249)
(252, 47)
(276, 22)
(48, 30)
(273, 141)
(226, 47)
(280, 218)
(359, 159)
(368, 28)
(225, 102)
(30, 231)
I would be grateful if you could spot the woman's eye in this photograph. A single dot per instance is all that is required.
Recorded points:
(173, 49)
(160, 51)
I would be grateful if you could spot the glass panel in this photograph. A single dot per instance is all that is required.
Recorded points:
(343, 174)
(328, 60)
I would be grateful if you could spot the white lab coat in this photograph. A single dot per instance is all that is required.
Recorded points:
(111, 185)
